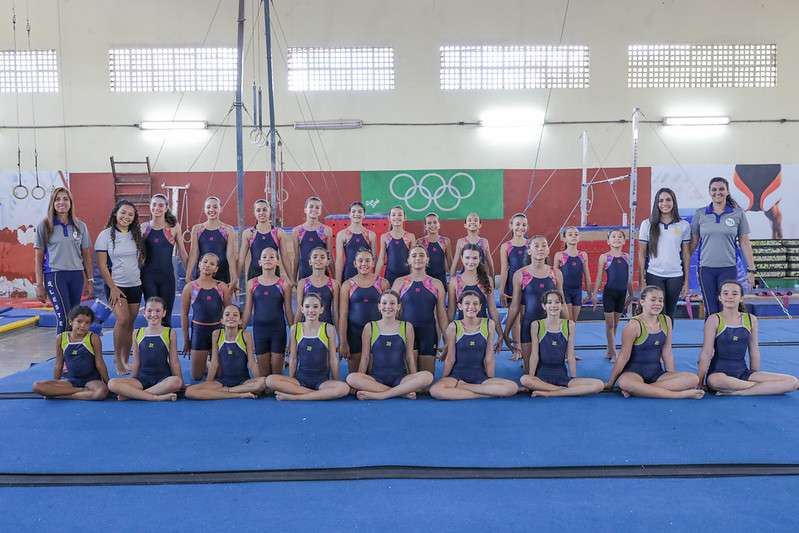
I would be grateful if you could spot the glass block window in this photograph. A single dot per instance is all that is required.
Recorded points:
(514, 67)
(28, 71)
(341, 69)
(172, 69)
(702, 65)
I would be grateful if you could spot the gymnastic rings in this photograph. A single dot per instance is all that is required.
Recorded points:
(38, 195)
(282, 195)
(258, 138)
(21, 192)
(185, 240)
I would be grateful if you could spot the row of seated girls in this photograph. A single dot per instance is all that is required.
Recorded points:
(387, 366)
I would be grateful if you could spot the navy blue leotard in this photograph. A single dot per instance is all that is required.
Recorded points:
(397, 256)
(269, 317)
(419, 299)
(214, 241)
(532, 290)
(312, 357)
(552, 346)
(207, 306)
(363, 309)
(153, 357)
(517, 258)
(157, 273)
(325, 292)
(729, 348)
(232, 360)
(572, 270)
(352, 243)
(645, 354)
(615, 292)
(258, 243)
(470, 352)
(388, 356)
(79, 358)
(437, 266)
(460, 287)
(309, 239)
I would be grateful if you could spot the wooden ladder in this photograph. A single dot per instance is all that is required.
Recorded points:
(133, 182)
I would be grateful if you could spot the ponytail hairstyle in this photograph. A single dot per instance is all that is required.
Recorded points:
(482, 275)
(644, 293)
(155, 300)
(391, 226)
(563, 234)
(654, 220)
(313, 199)
(135, 229)
(468, 292)
(421, 246)
(169, 217)
(741, 307)
(323, 249)
(358, 203)
(395, 294)
(314, 296)
(528, 259)
(730, 201)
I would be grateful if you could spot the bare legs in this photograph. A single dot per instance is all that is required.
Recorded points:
(199, 361)
(214, 390)
(64, 390)
(452, 389)
(287, 388)
(125, 315)
(759, 383)
(370, 389)
(675, 385)
(131, 388)
(611, 324)
(270, 363)
(576, 386)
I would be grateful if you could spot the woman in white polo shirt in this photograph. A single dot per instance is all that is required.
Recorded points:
(120, 255)
(663, 250)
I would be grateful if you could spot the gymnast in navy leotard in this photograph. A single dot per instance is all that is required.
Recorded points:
(728, 336)
(269, 304)
(618, 291)
(438, 247)
(320, 283)
(256, 239)
(313, 366)
(529, 285)
(350, 240)
(423, 306)
(573, 264)
(469, 364)
(155, 373)
(473, 225)
(206, 298)
(358, 307)
(645, 344)
(394, 246)
(553, 344)
(233, 372)
(388, 365)
(216, 237)
(82, 352)
(308, 236)
(162, 237)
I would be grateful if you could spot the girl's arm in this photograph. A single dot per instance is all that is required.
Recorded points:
(115, 296)
(332, 360)
(598, 281)
(381, 257)
(97, 348)
(194, 254)
(410, 360)
(174, 362)
(295, 241)
(336, 295)
(488, 360)
(587, 278)
(213, 365)
(244, 251)
(283, 250)
(642, 253)
(746, 250)
(629, 299)
(38, 269)
(59, 357)
(185, 305)
(453, 299)
(447, 252)
(88, 269)
(339, 254)
(177, 234)
(705, 356)
(564, 312)
(503, 273)
(384, 285)
(449, 360)
(300, 296)
(441, 315)
(225, 293)
(686, 268)
(515, 306)
(287, 287)
(293, 350)
(628, 336)
(570, 357)
(344, 309)
(247, 314)
(329, 240)
(493, 314)
(235, 272)
(666, 353)
(134, 361)
(456, 258)
(372, 237)
(489, 259)
(754, 347)
(251, 363)
(534, 348)
(366, 353)
(411, 240)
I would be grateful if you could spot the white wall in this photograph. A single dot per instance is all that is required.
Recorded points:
(82, 31)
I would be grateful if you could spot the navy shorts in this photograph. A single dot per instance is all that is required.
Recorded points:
(474, 378)
(80, 382)
(148, 380)
(573, 298)
(201, 336)
(132, 294)
(613, 301)
(232, 381)
(268, 340)
(424, 340)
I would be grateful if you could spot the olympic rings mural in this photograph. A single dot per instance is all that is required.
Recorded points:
(431, 188)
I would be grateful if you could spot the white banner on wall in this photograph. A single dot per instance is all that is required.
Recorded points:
(759, 189)
(27, 211)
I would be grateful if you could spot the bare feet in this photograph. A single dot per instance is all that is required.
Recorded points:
(366, 395)
(410, 395)
(692, 394)
(121, 368)
(613, 360)
(122, 398)
(248, 396)
(282, 396)
(516, 356)
(170, 397)
(625, 393)
(578, 358)
(540, 393)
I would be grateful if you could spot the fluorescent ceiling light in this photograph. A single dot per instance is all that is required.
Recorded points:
(696, 121)
(329, 125)
(174, 125)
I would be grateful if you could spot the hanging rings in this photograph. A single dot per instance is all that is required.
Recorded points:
(21, 192)
(38, 195)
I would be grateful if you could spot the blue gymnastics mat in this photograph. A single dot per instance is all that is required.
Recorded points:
(617, 505)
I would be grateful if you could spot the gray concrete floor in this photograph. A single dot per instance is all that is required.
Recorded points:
(19, 348)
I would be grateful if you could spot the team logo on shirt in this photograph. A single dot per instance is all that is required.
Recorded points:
(74, 352)
(657, 343)
(388, 343)
(554, 343)
(151, 345)
(729, 221)
(229, 351)
(735, 338)
(471, 343)
(309, 348)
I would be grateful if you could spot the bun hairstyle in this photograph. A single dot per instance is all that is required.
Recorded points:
(741, 306)
(357, 204)
(169, 216)
(545, 296)
(321, 249)
(395, 294)
(212, 254)
(269, 248)
(313, 296)
(730, 201)
(313, 199)
(644, 293)
(482, 275)
(365, 250)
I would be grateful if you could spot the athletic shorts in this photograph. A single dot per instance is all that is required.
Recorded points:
(613, 301)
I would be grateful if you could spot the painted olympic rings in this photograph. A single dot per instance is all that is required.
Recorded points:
(432, 196)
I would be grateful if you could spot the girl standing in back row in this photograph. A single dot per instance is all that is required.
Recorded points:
(311, 234)
(394, 246)
(350, 240)
(216, 237)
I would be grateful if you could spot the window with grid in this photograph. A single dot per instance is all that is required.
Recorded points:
(341, 69)
(28, 71)
(514, 67)
(172, 69)
(702, 65)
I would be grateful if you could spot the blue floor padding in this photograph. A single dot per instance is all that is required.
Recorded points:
(23, 312)
(617, 505)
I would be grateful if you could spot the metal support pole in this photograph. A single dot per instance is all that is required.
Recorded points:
(270, 94)
(633, 190)
(239, 104)
(584, 187)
